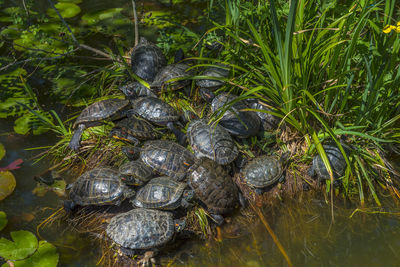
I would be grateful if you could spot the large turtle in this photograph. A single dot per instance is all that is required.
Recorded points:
(133, 129)
(163, 193)
(165, 79)
(159, 113)
(100, 186)
(263, 171)
(211, 141)
(214, 187)
(147, 60)
(168, 158)
(269, 122)
(143, 230)
(235, 119)
(336, 160)
(135, 173)
(134, 90)
(94, 115)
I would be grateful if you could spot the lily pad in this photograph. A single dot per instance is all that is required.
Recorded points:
(24, 245)
(57, 187)
(3, 220)
(7, 184)
(2, 151)
(67, 10)
(45, 256)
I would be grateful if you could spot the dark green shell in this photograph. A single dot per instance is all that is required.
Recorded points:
(214, 187)
(160, 193)
(262, 171)
(211, 141)
(236, 120)
(100, 186)
(155, 110)
(218, 72)
(169, 72)
(101, 110)
(336, 160)
(135, 173)
(141, 228)
(134, 90)
(269, 122)
(138, 128)
(168, 158)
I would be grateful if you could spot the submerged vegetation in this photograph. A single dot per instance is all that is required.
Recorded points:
(330, 71)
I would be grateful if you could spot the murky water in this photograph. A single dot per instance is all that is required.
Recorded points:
(302, 225)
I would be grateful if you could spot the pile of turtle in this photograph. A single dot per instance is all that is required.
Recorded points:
(162, 177)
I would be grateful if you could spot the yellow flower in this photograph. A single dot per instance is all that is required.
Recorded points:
(388, 28)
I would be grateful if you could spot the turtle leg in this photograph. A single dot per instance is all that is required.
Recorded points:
(148, 259)
(218, 219)
(243, 201)
(69, 205)
(180, 137)
(74, 144)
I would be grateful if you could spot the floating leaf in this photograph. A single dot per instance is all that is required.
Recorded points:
(57, 187)
(94, 17)
(28, 122)
(67, 10)
(7, 184)
(3, 220)
(13, 165)
(2, 151)
(45, 256)
(70, 1)
(24, 245)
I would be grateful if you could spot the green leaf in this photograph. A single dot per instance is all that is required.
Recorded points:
(2, 151)
(24, 245)
(21, 125)
(67, 10)
(3, 220)
(45, 256)
(7, 184)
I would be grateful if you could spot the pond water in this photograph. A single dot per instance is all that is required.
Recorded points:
(302, 225)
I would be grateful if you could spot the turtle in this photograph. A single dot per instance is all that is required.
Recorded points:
(143, 231)
(135, 173)
(167, 157)
(269, 122)
(336, 160)
(158, 112)
(171, 72)
(235, 119)
(133, 129)
(163, 193)
(147, 60)
(211, 141)
(214, 187)
(98, 187)
(263, 171)
(94, 115)
(219, 71)
(135, 89)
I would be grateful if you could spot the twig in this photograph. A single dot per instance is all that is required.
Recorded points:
(135, 23)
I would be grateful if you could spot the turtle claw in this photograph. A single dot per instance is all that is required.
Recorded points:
(148, 260)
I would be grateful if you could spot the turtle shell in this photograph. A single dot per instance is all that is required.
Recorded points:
(235, 120)
(134, 90)
(160, 193)
(155, 110)
(138, 128)
(336, 160)
(218, 72)
(169, 72)
(168, 158)
(262, 171)
(147, 60)
(212, 142)
(269, 122)
(101, 110)
(100, 186)
(135, 173)
(213, 186)
(141, 228)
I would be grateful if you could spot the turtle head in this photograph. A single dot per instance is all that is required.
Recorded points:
(180, 225)
(131, 152)
(129, 192)
(188, 197)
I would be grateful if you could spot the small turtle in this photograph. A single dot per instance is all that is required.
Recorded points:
(214, 187)
(133, 129)
(147, 60)
(211, 141)
(159, 113)
(236, 120)
(134, 90)
(171, 72)
(167, 157)
(263, 171)
(219, 71)
(94, 115)
(135, 173)
(269, 122)
(163, 193)
(143, 230)
(336, 160)
(100, 186)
